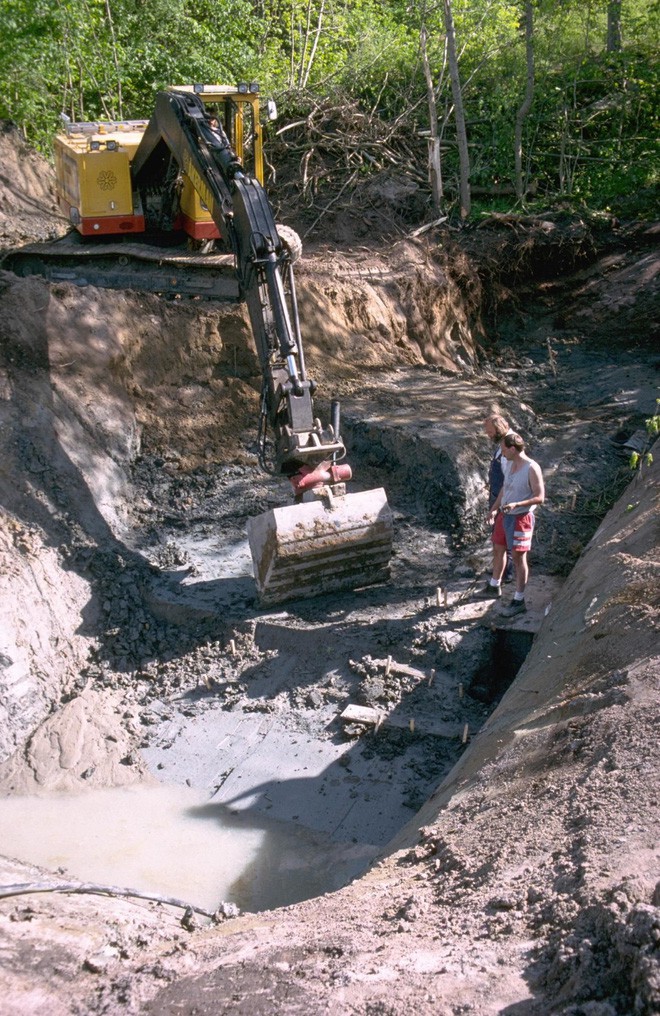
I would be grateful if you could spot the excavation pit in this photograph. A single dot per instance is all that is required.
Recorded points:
(238, 743)
(539, 853)
(265, 784)
(237, 706)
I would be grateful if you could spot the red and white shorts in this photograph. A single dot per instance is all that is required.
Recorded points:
(514, 531)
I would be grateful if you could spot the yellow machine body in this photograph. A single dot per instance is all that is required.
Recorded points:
(93, 171)
(93, 166)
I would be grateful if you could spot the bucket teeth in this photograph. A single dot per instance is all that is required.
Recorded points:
(318, 547)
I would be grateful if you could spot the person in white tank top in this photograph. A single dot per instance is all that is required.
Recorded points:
(512, 518)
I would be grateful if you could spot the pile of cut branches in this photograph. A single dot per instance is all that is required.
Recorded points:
(336, 158)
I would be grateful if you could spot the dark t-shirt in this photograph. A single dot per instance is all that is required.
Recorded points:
(495, 476)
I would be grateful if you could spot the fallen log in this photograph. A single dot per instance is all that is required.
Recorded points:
(23, 888)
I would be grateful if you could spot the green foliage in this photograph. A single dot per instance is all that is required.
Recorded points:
(106, 58)
(600, 129)
(636, 460)
(589, 140)
(653, 430)
(653, 422)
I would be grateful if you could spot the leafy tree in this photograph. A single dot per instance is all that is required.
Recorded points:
(106, 58)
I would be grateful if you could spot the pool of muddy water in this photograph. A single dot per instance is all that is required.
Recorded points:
(169, 841)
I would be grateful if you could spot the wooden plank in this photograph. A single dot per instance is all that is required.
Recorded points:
(369, 717)
(362, 714)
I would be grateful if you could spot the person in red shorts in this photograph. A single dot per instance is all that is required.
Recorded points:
(512, 518)
(495, 428)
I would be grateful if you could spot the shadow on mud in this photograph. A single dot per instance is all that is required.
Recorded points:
(265, 733)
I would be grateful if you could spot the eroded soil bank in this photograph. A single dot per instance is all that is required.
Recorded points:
(526, 884)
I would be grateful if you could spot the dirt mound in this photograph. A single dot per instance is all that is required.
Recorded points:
(28, 208)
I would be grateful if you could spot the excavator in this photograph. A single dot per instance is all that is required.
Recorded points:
(129, 189)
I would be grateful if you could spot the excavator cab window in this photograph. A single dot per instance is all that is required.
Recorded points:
(237, 110)
(239, 116)
(237, 119)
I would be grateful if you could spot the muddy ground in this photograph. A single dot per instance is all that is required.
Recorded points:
(514, 854)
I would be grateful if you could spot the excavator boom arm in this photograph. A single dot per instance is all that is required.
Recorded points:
(331, 540)
(181, 170)
(181, 129)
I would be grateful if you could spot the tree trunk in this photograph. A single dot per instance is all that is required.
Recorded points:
(292, 45)
(523, 111)
(435, 165)
(306, 57)
(115, 59)
(459, 113)
(614, 26)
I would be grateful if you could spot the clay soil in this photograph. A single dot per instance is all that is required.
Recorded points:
(525, 879)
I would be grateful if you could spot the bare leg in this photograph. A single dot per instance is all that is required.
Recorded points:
(522, 569)
(499, 561)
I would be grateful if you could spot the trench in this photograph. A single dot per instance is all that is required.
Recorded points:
(260, 792)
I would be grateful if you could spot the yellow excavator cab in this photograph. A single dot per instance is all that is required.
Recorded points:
(236, 108)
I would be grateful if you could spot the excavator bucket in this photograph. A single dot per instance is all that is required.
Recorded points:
(321, 546)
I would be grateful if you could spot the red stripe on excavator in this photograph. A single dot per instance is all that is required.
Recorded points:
(197, 230)
(109, 224)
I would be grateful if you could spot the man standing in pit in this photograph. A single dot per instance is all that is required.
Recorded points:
(512, 516)
(495, 428)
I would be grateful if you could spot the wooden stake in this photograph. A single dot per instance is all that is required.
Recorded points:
(412, 726)
(431, 678)
(438, 596)
(460, 691)
(232, 647)
(388, 666)
(444, 595)
(466, 732)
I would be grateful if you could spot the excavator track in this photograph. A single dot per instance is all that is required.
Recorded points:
(136, 266)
